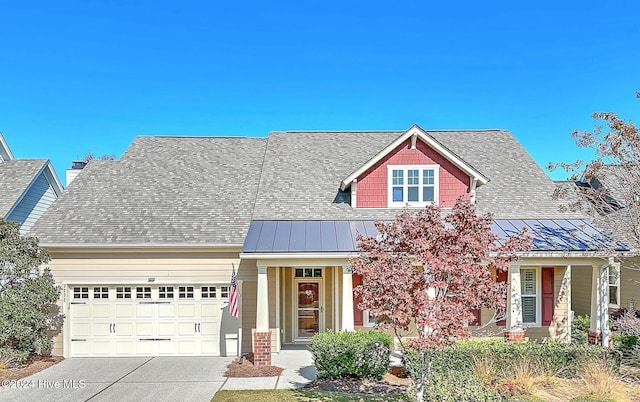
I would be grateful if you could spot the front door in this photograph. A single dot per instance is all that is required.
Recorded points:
(308, 309)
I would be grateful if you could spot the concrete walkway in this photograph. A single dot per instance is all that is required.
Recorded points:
(298, 371)
(155, 379)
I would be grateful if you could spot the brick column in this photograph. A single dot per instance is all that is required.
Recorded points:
(514, 335)
(595, 337)
(262, 348)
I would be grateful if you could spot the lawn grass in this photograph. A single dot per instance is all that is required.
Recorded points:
(302, 395)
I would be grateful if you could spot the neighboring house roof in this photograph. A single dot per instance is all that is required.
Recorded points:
(619, 185)
(164, 190)
(15, 177)
(207, 190)
(559, 235)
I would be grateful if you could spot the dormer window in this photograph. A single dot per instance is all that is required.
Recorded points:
(412, 185)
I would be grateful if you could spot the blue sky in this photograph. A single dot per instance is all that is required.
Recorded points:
(92, 75)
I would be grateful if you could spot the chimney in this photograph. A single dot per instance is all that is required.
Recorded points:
(76, 167)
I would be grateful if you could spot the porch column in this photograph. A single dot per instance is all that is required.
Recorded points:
(347, 299)
(599, 329)
(262, 335)
(514, 331)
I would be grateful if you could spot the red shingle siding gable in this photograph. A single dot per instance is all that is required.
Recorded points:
(372, 184)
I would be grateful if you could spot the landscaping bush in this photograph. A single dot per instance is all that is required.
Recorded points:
(579, 327)
(502, 367)
(363, 355)
(457, 386)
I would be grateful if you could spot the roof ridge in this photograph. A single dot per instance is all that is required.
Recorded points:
(452, 130)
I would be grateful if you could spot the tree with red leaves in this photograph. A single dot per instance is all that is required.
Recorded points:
(427, 274)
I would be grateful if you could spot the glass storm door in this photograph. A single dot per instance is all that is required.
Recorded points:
(308, 309)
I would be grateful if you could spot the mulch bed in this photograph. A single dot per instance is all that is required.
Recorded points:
(247, 368)
(394, 382)
(33, 365)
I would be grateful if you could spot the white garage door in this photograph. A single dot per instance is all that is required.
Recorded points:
(139, 320)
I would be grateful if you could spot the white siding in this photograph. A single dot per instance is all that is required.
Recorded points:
(36, 201)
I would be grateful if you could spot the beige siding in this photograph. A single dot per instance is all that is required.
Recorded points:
(581, 289)
(164, 267)
(630, 282)
(328, 274)
(248, 274)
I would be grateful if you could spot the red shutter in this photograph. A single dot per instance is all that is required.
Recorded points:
(501, 276)
(547, 295)
(357, 313)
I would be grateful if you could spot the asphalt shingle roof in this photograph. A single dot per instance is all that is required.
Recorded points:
(207, 190)
(15, 177)
(164, 190)
(302, 172)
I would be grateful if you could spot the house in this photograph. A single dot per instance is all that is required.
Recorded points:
(27, 187)
(144, 247)
(611, 199)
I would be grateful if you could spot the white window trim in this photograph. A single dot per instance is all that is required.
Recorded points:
(366, 319)
(538, 322)
(615, 267)
(420, 168)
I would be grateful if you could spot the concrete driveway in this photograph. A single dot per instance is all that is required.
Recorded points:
(123, 379)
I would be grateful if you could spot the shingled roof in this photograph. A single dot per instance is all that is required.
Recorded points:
(302, 173)
(207, 190)
(15, 177)
(164, 190)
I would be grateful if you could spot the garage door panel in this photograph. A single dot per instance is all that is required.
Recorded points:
(124, 329)
(145, 347)
(186, 310)
(186, 328)
(166, 310)
(167, 348)
(81, 329)
(102, 348)
(166, 329)
(80, 348)
(101, 310)
(187, 346)
(124, 310)
(81, 310)
(145, 310)
(144, 329)
(210, 310)
(125, 347)
(102, 329)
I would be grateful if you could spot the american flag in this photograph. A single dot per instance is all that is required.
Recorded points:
(233, 296)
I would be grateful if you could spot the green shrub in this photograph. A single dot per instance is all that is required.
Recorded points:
(579, 327)
(351, 354)
(11, 357)
(457, 386)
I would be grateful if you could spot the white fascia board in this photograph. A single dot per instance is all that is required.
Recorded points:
(140, 247)
(52, 178)
(416, 130)
(296, 256)
(4, 149)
